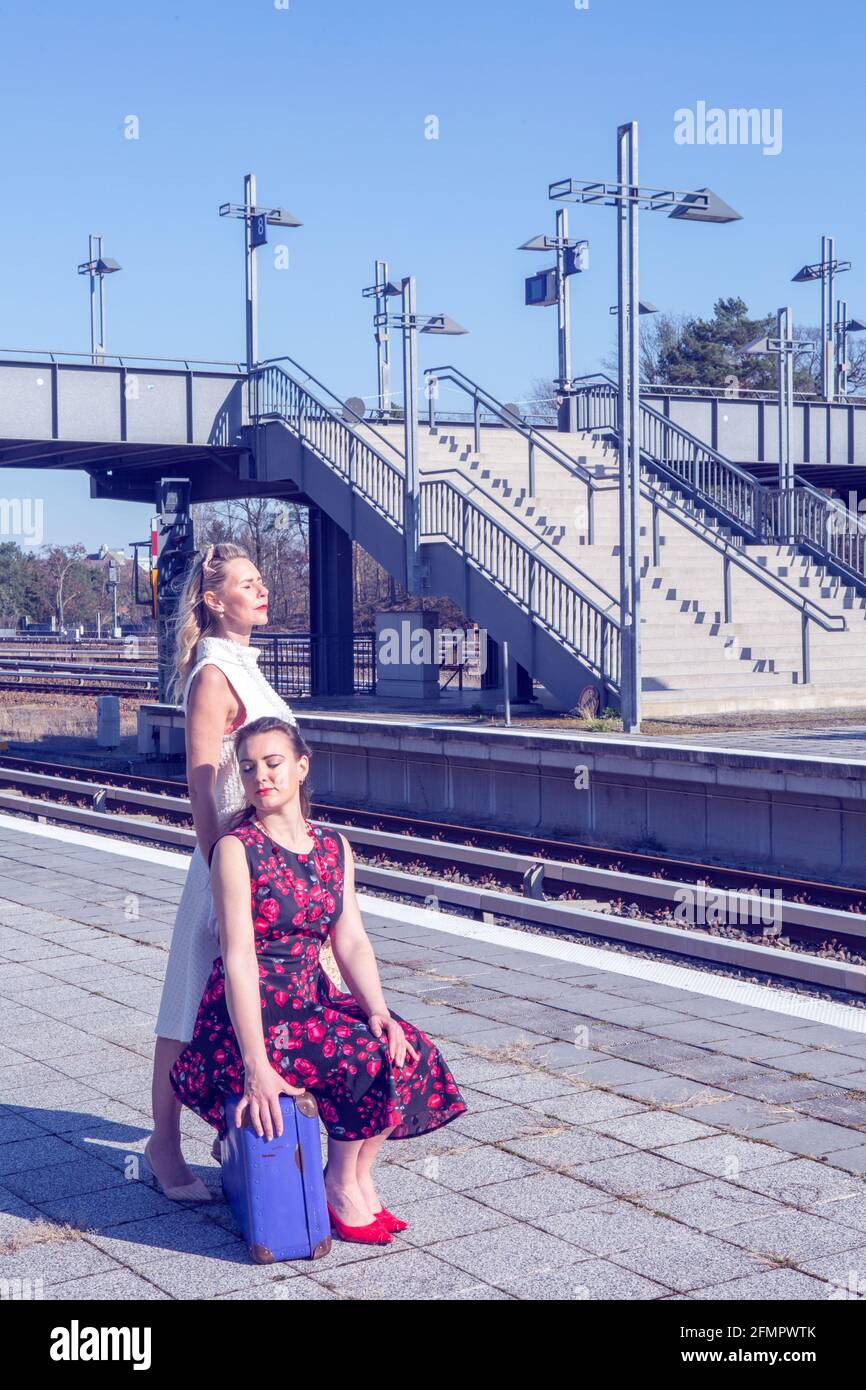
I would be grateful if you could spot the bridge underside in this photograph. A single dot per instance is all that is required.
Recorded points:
(129, 472)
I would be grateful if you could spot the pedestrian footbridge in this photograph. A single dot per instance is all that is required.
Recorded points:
(750, 598)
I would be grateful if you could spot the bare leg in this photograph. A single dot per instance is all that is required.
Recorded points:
(364, 1168)
(341, 1182)
(165, 1152)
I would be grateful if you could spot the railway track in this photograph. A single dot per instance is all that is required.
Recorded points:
(788, 929)
(79, 683)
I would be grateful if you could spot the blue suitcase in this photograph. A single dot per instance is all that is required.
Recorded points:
(276, 1189)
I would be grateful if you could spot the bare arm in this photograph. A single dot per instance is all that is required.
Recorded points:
(230, 883)
(211, 706)
(353, 952)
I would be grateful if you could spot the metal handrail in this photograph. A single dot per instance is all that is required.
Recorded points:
(711, 476)
(534, 540)
(326, 391)
(51, 355)
(803, 515)
(831, 622)
(747, 393)
(859, 522)
(497, 408)
(379, 480)
(550, 597)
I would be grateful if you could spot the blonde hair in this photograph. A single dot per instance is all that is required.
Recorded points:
(194, 619)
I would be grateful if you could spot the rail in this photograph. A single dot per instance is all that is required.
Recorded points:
(377, 478)
(483, 401)
(731, 490)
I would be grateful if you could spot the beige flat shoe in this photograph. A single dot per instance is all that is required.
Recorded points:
(195, 1191)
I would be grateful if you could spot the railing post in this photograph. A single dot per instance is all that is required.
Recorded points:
(432, 387)
(476, 423)
(656, 537)
(531, 467)
(807, 670)
(726, 588)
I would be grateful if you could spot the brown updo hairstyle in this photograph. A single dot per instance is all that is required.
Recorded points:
(270, 723)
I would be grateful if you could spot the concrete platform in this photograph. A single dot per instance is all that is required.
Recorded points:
(631, 1133)
(802, 815)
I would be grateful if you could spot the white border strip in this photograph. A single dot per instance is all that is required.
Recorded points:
(695, 981)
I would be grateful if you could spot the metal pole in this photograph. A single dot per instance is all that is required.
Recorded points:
(825, 360)
(842, 347)
(93, 242)
(634, 422)
(251, 288)
(383, 339)
(624, 416)
(506, 679)
(567, 411)
(831, 290)
(410, 435)
(786, 422)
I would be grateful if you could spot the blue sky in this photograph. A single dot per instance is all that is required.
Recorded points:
(326, 101)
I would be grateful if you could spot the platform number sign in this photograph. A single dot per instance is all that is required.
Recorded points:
(541, 289)
(258, 230)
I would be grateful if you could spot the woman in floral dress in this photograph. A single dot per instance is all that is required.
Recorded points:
(272, 1022)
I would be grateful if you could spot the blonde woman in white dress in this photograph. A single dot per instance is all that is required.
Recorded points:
(217, 680)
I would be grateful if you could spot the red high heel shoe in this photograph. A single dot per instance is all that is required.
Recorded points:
(372, 1234)
(391, 1222)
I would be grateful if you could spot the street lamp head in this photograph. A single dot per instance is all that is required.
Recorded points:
(704, 206)
(760, 345)
(807, 272)
(105, 265)
(535, 243)
(441, 323)
(643, 307)
(278, 217)
(856, 326)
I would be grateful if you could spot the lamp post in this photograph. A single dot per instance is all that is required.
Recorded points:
(551, 287)
(256, 221)
(628, 197)
(97, 267)
(382, 289)
(825, 270)
(784, 346)
(844, 326)
(408, 322)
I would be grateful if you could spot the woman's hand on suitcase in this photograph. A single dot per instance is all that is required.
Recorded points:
(262, 1092)
(398, 1044)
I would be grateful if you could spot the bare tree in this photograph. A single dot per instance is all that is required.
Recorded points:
(66, 576)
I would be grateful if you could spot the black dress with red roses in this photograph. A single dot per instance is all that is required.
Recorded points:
(315, 1035)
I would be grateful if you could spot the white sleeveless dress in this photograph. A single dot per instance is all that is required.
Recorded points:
(195, 938)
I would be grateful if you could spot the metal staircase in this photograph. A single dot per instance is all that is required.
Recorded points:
(748, 599)
(559, 622)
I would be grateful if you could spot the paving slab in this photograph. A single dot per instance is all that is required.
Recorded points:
(619, 1132)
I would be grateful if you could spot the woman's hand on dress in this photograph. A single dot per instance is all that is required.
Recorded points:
(398, 1044)
(262, 1092)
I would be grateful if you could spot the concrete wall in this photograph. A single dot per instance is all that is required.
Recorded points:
(797, 814)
